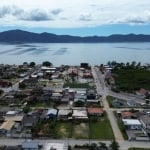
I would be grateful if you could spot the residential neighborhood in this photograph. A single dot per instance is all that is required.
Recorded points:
(69, 102)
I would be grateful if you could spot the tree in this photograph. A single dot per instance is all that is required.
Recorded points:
(47, 63)
(1, 92)
(32, 64)
(114, 145)
(79, 103)
(102, 146)
(25, 63)
(26, 109)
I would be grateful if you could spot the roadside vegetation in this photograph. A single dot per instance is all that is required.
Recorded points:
(121, 126)
(1, 92)
(94, 146)
(110, 100)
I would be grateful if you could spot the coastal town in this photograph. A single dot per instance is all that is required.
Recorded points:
(47, 107)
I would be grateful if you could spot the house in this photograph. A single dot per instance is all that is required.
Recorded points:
(10, 123)
(18, 122)
(5, 83)
(30, 145)
(127, 115)
(11, 113)
(87, 74)
(80, 95)
(80, 114)
(30, 119)
(95, 111)
(12, 148)
(31, 82)
(91, 94)
(4, 110)
(51, 113)
(133, 124)
(48, 69)
(132, 103)
(56, 96)
(55, 146)
(6, 127)
(141, 93)
(65, 98)
(118, 103)
(63, 114)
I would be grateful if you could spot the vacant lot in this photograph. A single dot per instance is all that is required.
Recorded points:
(100, 128)
(63, 129)
(80, 131)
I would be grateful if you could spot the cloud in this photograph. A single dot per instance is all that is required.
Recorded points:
(78, 13)
(36, 15)
(56, 11)
(4, 11)
(86, 17)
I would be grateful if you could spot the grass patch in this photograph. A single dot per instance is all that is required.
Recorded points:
(44, 128)
(80, 131)
(100, 128)
(121, 126)
(62, 129)
(110, 100)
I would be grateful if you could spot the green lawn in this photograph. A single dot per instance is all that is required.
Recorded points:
(62, 129)
(100, 129)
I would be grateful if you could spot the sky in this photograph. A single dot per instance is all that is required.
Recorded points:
(76, 17)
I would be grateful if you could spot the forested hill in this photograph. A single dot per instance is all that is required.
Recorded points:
(21, 36)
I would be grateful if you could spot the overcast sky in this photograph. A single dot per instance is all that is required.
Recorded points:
(76, 17)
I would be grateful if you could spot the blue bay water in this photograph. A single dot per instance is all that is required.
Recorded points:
(74, 54)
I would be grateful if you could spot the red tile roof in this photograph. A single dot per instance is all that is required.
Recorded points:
(95, 110)
(127, 114)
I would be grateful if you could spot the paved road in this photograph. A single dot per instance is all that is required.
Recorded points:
(101, 86)
(124, 145)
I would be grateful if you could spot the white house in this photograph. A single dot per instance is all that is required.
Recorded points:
(133, 124)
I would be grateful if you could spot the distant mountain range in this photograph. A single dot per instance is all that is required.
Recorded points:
(19, 36)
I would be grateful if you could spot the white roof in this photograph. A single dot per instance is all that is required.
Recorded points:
(81, 91)
(52, 111)
(64, 111)
(57, 146)
(11, 112)
(34, 75)
(79, 113)
(47, 68)
(131, 122)
(56, 94)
